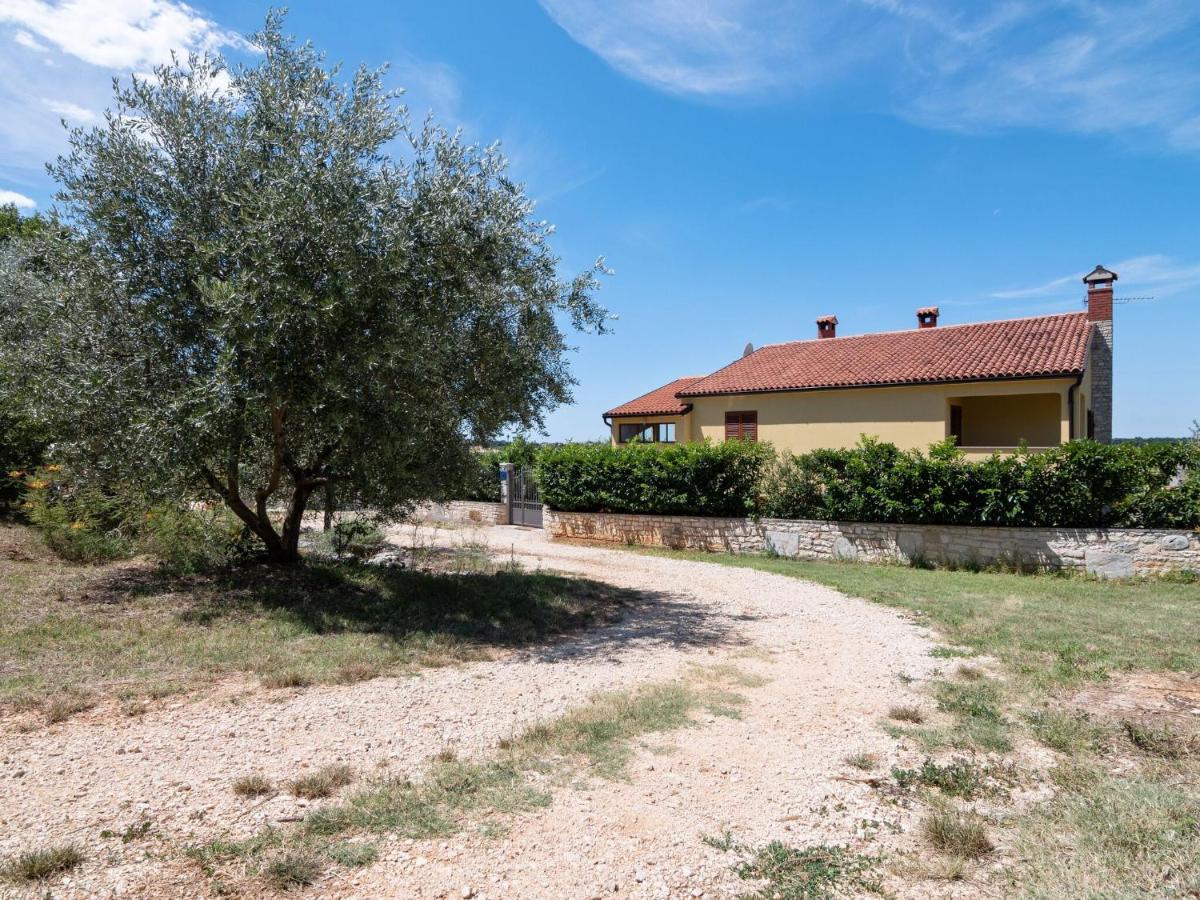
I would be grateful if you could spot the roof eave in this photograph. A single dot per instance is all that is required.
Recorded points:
(617, 414)
(1065, 373)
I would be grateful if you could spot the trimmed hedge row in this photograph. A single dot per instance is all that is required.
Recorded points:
(1080, 484)
(683, 480)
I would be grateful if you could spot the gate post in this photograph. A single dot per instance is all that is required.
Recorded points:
(506, 493)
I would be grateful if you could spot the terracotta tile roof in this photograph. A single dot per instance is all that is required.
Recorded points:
(1016, 348)
(659, 402)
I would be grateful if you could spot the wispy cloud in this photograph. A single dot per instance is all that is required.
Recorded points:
(1081, 66)
(28, 41)
(1154, 273)
(72, 112)
(429, 86)
(12, 198)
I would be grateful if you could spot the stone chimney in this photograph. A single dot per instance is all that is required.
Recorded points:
(827, 326)
(927, 317)
(1099, 283)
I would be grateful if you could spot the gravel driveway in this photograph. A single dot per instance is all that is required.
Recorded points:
(830, 664)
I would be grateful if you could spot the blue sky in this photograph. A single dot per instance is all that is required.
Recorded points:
(746, 166)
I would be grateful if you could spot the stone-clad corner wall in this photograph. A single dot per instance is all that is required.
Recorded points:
(462, 512)
(1108, 553)
(676, 532)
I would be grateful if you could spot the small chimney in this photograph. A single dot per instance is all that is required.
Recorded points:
(827, 326)
(1099, 283)
(927, 317)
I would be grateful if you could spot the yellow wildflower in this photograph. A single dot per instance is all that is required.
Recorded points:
(75, 526)
(15, 473)
(38, 483)
(54, 468)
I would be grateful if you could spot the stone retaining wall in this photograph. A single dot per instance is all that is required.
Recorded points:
(1106, 552)
(462, 512)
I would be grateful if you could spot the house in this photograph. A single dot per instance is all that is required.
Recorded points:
(1037, 381)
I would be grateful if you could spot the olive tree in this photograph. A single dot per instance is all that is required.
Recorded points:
(264, 280)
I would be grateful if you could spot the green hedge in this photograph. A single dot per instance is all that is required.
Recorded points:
(684, 480)
(1080, 484)
(483, 483)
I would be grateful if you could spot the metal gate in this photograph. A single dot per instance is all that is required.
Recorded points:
(526, 502)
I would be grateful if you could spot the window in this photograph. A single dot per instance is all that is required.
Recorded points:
(647, 432)
(956, 430)
(1091, 425)
(741, 426)
(627, 433)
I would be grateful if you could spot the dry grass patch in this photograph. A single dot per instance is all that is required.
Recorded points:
(38, 865)
(958, 833)
(279, 680)
(128, 630)
(1162, 740)
(294, 869)
(254, 785)
(61, 708)
(352, 673)
(910, 714)
(321, 783)
(863, 761)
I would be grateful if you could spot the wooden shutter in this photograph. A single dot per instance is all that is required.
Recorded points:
(741, 426)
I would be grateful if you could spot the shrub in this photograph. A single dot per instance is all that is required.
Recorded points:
(80, 522)
(1080, 484)
(355, 537)
(192, 539)
(700, 479)
(21, 448)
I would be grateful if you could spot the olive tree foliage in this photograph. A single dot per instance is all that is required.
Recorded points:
(251, 298)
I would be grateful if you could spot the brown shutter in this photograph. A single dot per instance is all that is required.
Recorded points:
(741, 426)
(732, 426)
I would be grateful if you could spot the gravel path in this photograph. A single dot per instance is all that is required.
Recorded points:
(831, 665)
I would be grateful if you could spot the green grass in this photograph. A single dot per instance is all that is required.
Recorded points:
(793, 873)
(1115, 837)
(1053, 631)
(1131, 829)
(71, 631)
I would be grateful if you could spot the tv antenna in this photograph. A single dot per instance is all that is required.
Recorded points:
(1124, 300)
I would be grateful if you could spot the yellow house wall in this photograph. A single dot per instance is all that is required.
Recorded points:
(912, 416)
(682, 424)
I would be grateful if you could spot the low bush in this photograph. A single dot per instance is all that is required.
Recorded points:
(192, 539)
(689, 479)
(22, 445)
(361, 538)
(79, 522)
(89, 523)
